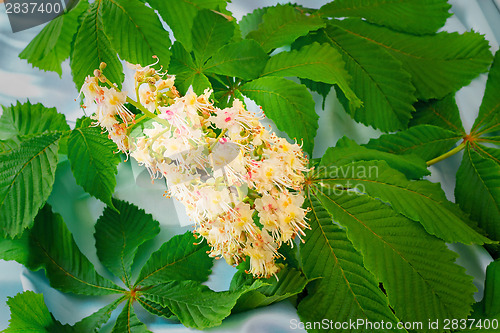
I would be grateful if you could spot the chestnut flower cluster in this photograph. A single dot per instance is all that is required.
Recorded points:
(240, 183)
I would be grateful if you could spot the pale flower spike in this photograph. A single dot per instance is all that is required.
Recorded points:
(224, 166)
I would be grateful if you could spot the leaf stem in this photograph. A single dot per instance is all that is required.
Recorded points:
(447, 154)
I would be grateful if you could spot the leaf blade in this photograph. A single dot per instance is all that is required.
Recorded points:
(210, 32)
(418, 200)
(400, 15)
(68, 270)
(175, 261)
(379, 80)
(426, 141)
(391, 243)
(53, 44)
(287, 103)
(93, 322)
(93, 162)
(26, 179)
(155, 308)
(135, 32)
(91, 47)
(346, 290)
(29, 119)
(287, 283)
(207, 309)
(118, 235)
(281, 25)
(30, 314)
(245, 59)
(489, 306)
(488, 119)
(127, 321)
(251, 21)
(180, 14)
(347, 151)
(317, 62)
(435, 72)
(443, 113)
(478, 190)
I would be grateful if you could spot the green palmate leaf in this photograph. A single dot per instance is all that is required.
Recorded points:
(180, 14)
(94, 162)
(443, 113)
(426, 141)
(251, 21)
(346, 290)
(287, 283)
(317, 62)
(377, 79)
(288, 104)
(68, 270)
(127, 321)
(428, 284)
(245, 59)
(403, 15)
(52, 45)
(489, 307)
(488, 119)
(28, 119)
(178, 259)
(210, 32)
(420, 200)
(186, 72)
(478, 191)
(94, 322)
(118, 235)
(28, 313)
(91, 47)
(435, 71)
(26, 179)
(155, 308)
(282, 24)
(195, 305)
(347, 151)
(135, 31)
